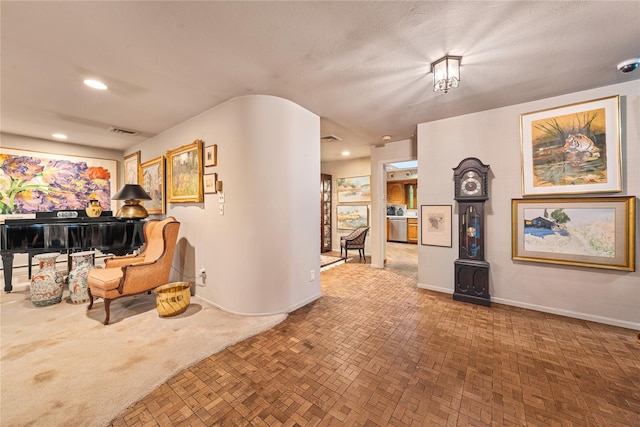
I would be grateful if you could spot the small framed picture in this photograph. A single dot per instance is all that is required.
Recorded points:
(211, 155)
(436, 225)
(209, 182)
(132, 168)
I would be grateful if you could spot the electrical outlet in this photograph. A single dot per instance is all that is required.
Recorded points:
(202, 272)
(221, 209)
(312, 276)
(220, 197)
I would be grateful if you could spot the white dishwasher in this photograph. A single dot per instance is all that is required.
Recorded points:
(398, 229)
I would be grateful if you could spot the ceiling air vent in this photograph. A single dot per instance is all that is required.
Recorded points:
(122, 131)
(330, 138)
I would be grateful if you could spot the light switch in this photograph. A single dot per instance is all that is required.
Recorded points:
(221, 209)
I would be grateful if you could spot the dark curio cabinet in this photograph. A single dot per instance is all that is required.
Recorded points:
(471, 268)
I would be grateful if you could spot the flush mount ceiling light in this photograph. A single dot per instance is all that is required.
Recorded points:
(59, 135)
(446, 73)
(346, 153)
(95, 84)
(386, 138)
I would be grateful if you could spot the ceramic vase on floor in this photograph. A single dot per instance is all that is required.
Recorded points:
(81, 263)
(48, 283)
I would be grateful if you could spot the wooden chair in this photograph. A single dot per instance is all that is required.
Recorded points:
(135, 274)
(355, 240)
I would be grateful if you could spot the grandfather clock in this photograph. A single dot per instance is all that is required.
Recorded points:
(471, 269)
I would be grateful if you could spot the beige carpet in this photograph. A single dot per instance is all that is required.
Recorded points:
(60, 366)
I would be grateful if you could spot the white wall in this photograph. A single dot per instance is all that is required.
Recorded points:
(259, 255)
(494, 137)
(345, 169)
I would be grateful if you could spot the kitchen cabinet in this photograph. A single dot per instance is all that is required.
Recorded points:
(395, 193)
(412, 230)
(403, 193)
(325, 213)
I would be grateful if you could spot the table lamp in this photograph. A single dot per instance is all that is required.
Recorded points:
(132, 209)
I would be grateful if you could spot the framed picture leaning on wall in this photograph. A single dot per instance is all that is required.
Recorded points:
(152, 181)
(184, 173)
(572, 149)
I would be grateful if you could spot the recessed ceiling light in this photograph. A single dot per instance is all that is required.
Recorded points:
(345, 153)
(95, 84)
(59, 135)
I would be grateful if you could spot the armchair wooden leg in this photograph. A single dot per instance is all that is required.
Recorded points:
(90, 299)
(107, 303)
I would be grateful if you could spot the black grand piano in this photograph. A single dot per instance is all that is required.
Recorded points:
(66, 235)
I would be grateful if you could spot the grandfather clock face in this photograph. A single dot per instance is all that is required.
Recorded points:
(471, 184)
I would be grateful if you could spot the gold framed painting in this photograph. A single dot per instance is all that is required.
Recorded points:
(572, 149)
(132, 168)
(350, 217)
(152, 181)
(587, 232)
(184, 173)
(354, 189)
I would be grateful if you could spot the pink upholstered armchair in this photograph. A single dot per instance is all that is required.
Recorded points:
(355, 240)
(135, 274)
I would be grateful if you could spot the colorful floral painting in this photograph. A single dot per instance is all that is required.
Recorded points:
(33, 182)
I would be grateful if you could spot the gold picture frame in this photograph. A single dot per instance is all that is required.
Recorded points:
(184, 174)
(572, 149)
(356, 189)
(131, 169)
(587, 232)
(209, 183)
(211, 155)
(153, 182)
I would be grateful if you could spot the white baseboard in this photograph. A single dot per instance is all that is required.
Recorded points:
(288, 310)
(545, 309)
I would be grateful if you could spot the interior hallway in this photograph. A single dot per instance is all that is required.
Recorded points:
(377, 351)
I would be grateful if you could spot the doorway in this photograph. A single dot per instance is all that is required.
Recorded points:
(401, 237)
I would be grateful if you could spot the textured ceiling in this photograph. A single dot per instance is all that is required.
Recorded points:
(363, 67)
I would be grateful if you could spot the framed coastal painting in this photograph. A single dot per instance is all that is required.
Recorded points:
(184, 173)
(152, 181)
(354, 189)
(436, 225)
(132, 168)
(32, 181)
(573, 149)
(351, 217)
(588, 232)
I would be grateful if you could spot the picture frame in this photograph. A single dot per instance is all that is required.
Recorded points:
(153, 181)
(572, 149)
(184, 173)
(209, 183)
(24, 192)
(355, 189)
(587, 232)
(211, 155)
(131, 168)
(351, 217)
(435, 225)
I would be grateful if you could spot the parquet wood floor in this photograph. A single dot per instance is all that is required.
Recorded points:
(377, 351)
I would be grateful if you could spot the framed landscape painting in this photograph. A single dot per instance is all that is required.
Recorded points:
(588, 232)
(354, 189)
(573, 149)
(184, 173)
(352, 217)
(153, 183)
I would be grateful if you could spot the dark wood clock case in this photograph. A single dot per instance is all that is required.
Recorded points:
(471, 268)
